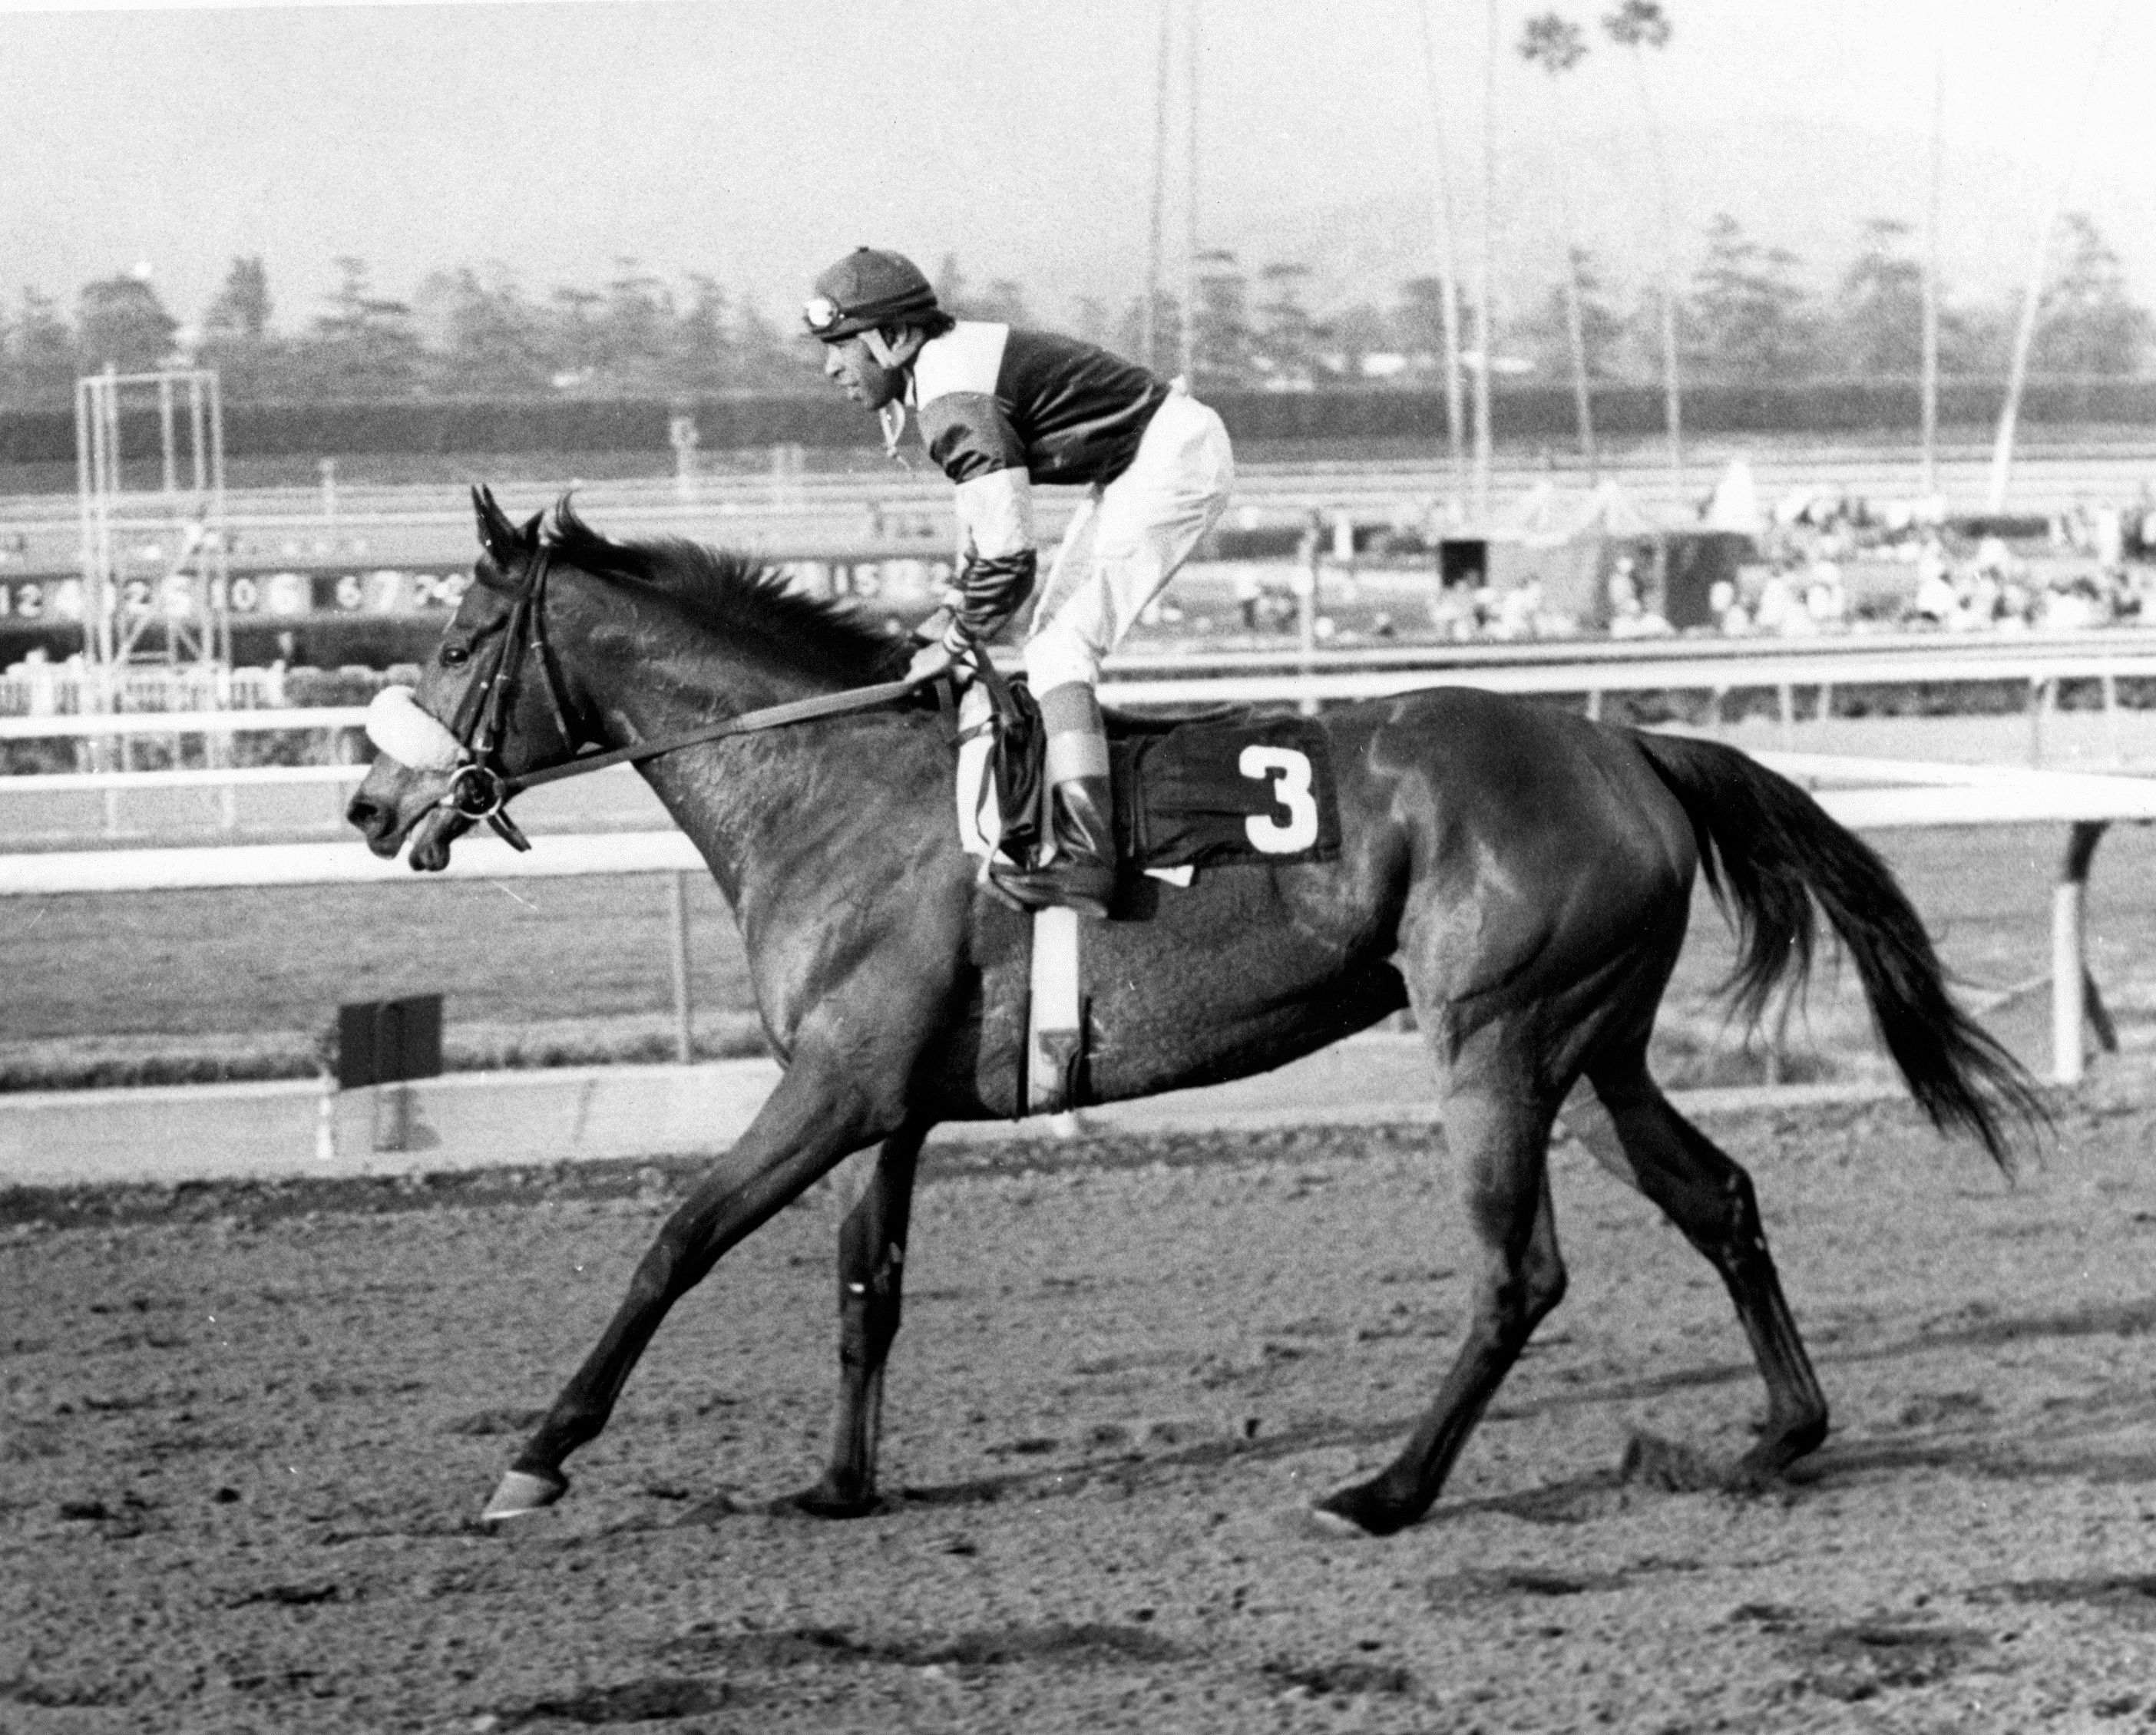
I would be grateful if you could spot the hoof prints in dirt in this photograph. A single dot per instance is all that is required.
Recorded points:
(2130, 1595)
(1344, 1679)
(485, 1422)
(631, 1701)
(1670, 1465)
(661, 1698)
(55, 1695)
(292, 1596)
(1860, 1661)
(1081, 1645)
(1481, 1585)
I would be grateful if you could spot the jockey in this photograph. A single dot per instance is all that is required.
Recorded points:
(1001, 408)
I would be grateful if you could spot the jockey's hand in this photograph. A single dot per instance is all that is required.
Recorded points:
(930, 661)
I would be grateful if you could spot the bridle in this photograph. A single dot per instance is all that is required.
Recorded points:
(480, 789)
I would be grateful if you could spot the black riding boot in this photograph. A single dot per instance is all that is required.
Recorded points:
(1082, 872)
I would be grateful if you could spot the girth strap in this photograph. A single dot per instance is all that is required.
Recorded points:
(1055, 1015)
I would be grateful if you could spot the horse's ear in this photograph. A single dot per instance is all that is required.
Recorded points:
(497, 535)
(530, 533)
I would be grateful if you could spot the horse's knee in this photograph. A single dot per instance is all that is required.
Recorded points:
(871, 1307)
(1518, 1298)
(1542, 1284)
(652, 1283)
(1740, 1211)
(1722, 1219)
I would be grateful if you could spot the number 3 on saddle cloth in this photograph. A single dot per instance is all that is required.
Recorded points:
(1227, 787)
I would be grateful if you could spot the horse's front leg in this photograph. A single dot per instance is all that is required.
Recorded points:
(822, 1110)
(871, 1275)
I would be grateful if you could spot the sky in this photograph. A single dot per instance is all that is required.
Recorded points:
(757, 140)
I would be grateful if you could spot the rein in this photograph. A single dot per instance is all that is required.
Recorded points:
(772, 716)
(480, 790)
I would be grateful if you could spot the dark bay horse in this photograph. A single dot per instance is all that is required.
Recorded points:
(1520, 876)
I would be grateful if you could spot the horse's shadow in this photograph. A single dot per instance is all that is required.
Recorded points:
(1967, 1437)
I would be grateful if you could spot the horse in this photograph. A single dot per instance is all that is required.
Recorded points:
(1520, 876)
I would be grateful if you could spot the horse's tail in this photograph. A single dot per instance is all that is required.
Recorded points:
(1769, 852)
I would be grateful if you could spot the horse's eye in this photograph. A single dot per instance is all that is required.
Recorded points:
(455, 656)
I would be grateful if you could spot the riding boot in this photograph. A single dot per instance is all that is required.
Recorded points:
(1080, 868)
(1082, 873)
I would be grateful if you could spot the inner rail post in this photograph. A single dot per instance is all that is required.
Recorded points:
(2074, 996)
(2041, 691)
(685, 1043)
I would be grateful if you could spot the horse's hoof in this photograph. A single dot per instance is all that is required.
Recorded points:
(1329, 1526)
(1761, 1471)
(824, 1501)
(519, 1493)
(1361, 1510)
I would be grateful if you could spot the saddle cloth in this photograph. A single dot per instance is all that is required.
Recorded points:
(1215, 789)
(1239, 786)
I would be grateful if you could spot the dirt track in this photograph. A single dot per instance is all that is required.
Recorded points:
(245, 1433)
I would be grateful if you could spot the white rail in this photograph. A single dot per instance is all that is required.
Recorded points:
(212, 777)
(1866, 794)
(77, 726)
(555, 855)
(1327, 677)
(2047, 476)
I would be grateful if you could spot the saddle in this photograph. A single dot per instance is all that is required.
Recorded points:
(1231, 786)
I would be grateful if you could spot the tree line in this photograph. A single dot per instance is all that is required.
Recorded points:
(1748, 314)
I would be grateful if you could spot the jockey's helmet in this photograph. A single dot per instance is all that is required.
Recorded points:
(866, 290)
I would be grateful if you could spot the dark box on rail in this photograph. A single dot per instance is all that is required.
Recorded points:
(386, 1042)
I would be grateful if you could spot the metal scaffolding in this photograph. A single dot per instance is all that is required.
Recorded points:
(153, 563)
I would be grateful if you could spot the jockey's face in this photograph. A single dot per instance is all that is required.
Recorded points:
(868, 382)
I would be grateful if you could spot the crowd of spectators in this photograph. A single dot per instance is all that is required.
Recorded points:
(1833, 565)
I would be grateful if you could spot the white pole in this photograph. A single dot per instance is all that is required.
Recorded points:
(1190, 239)
(1931, 339)
(2024, 333)
(1484, 326)
(2066, 915)
(1150, 340)
(1448, 272)
(684, 1037)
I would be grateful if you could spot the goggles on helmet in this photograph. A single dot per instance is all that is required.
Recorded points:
(819, 313)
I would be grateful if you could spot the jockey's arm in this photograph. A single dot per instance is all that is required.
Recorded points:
(976, 446)
(995, 516)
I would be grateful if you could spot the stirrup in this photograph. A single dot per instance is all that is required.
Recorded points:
(1086, 886)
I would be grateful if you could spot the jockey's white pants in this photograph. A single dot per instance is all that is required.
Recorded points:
(1127, 540)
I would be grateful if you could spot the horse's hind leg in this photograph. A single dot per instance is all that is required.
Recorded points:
(1632, 1130)
(871, 1273)
(1498, 1134)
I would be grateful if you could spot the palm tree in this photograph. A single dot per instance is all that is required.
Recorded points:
(1639, 25)
(1556, 45)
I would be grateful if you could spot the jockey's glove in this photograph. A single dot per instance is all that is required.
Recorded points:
(932, 659)
(991, 588)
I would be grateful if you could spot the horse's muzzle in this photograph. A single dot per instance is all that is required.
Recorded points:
(438, 827)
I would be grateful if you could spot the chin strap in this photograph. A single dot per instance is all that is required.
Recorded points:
(892, 415)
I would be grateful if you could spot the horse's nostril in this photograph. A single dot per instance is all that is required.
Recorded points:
(361, 812)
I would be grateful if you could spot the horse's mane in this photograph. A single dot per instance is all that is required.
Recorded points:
(733, 595)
